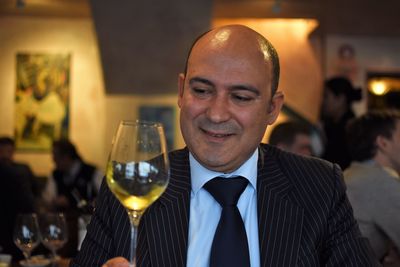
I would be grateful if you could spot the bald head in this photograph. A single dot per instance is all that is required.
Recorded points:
(242, 40)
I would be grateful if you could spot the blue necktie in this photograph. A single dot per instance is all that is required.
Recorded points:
(229, 247)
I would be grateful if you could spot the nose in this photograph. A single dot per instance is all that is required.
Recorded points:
(218, 110)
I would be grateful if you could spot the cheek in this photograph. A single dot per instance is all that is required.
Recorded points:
(190, 109)
(255, 120)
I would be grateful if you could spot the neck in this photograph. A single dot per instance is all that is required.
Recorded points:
(384, 161)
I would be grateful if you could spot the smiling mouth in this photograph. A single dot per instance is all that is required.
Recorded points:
(216, 135)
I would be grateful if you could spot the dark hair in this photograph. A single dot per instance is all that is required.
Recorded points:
(342, 85)
(5, 140)
(362, 132)
(271, 51)
(66, 148)
(286, 132)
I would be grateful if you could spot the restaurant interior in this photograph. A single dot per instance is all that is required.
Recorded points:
(120, 60)
(126, 55)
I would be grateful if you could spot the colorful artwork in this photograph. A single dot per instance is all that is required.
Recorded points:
(162, 114)
(41, 100)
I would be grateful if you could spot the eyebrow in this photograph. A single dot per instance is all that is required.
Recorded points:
(237, 87)
(200, 80)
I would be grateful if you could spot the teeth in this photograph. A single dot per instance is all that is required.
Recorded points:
(219, 135)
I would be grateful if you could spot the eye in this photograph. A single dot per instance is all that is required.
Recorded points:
(201, 91)
(242, 98)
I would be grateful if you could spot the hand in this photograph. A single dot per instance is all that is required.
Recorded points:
(116, 262)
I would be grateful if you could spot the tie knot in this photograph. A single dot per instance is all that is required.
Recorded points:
(226, 191)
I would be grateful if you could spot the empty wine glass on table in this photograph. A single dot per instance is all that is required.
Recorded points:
(26, 233)
(138, 170)
(53, 228)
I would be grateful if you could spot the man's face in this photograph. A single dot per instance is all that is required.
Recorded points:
(226, 104)
(393, 148)
(6, 153)
(301, 145)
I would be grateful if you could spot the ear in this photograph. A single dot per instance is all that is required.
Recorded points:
(181, 86)
(382, 143)
(275, 107)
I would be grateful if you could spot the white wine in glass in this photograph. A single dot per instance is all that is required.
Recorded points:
(138, 170)
(26, 233)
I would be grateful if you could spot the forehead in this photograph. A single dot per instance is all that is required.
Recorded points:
(233, 57)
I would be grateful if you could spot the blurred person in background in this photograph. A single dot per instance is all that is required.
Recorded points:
(71, 188)
(7, 151)
(336, 111)
(373, 181)
(16, 196)
(73, 180)
(292, 136)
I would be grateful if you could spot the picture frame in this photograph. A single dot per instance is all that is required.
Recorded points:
(163, 114)
(41, 100)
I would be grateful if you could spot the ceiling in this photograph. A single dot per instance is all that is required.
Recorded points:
(355, 17)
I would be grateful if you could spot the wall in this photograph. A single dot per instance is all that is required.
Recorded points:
(125, 107)
(94, 116)
(87, 98)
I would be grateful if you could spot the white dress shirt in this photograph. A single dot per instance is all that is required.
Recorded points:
(205, 212)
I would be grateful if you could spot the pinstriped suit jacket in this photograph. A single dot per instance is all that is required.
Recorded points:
(304, 218)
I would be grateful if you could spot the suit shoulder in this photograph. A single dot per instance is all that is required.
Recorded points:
(310, 173)
(300, 161)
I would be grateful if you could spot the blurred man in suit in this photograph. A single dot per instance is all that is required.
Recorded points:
(7, 151)
(71, 188)
(16, 195)
(373, 181)
(73, 180)
(294, 209)
(292, 136)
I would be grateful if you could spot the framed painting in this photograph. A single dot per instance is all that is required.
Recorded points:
(41, 100)
(164, 115)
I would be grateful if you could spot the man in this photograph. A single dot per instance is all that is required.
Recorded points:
(24, 172)
(336, 111)
(294, 209)
(373, 180)
(16, 195)
(72, 180)
(292, 136)
(71, 188)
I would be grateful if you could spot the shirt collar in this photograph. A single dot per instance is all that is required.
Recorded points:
(201, 175)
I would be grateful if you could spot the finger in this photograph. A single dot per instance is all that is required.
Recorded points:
(116, 262)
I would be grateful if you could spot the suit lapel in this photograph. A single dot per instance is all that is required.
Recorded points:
(279, 219)
(169, 248)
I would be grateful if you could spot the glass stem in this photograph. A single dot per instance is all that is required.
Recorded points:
(54, 258)
(27, 254)
(54, 255)
(132, 256)
(134, 217)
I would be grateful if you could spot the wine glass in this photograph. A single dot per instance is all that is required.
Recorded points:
(53, 228)
(26, 233)
(138, 170)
